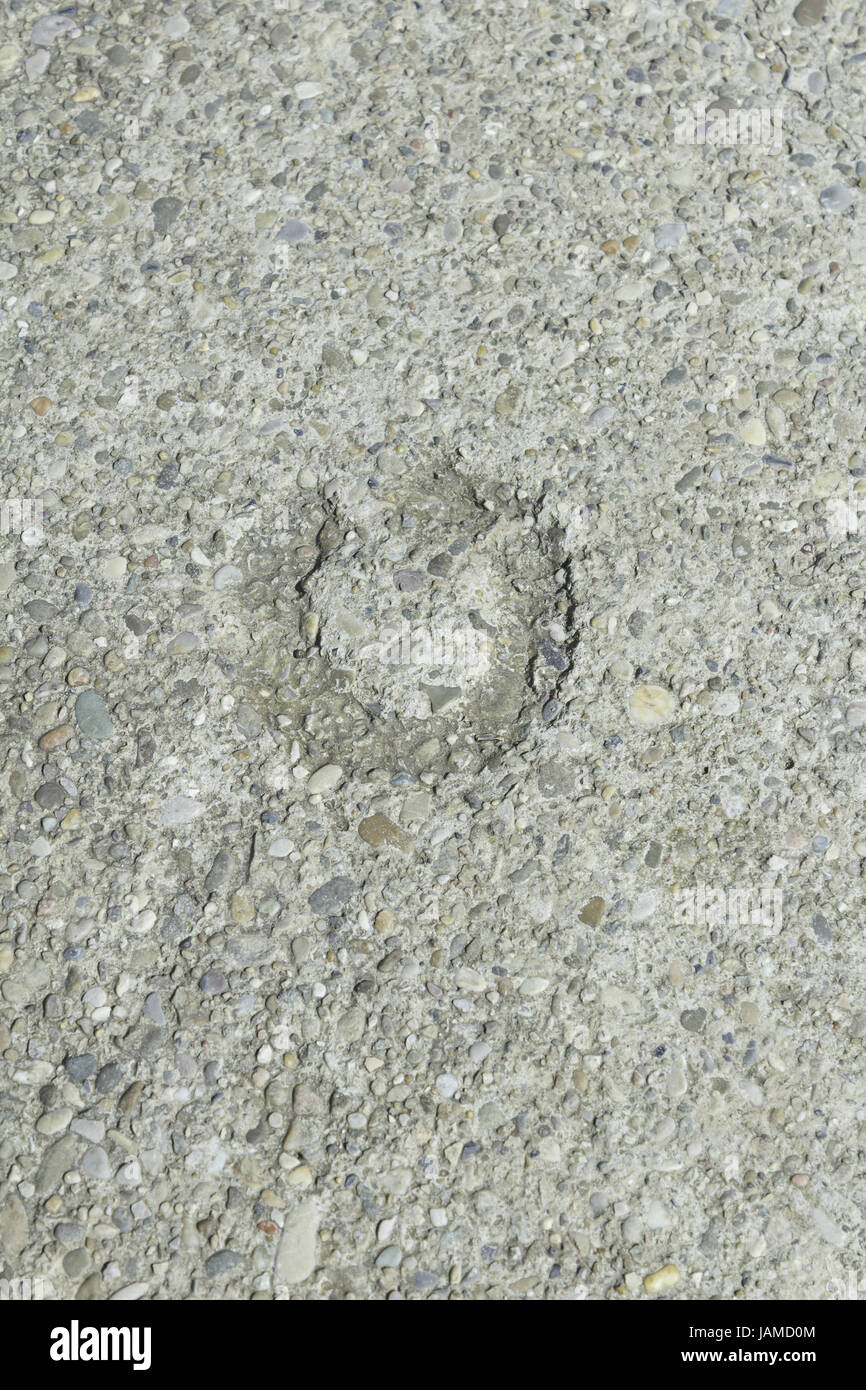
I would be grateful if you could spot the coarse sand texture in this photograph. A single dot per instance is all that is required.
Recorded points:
(433, 652)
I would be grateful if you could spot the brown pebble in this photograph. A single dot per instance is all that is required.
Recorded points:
(55, 738)
(380, 830)
(592, 912)
(130, 1098)
(40, 404)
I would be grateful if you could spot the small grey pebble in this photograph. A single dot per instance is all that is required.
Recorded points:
(836, 198)
(92, 716)
(221, 1262)
(213, 982)
(81, 1068)
(332, 897)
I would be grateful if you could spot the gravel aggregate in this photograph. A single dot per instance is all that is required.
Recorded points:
(433, 747)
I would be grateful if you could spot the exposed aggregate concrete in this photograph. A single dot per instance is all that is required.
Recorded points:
(433, 748)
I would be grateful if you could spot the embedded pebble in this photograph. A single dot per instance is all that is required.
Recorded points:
(669, 235)
(222, 1262)
(297, 1251)
(51, 27)
(332, 896)
(293, 230)
(325, 778)
(651, 706)
(662, 1280)
(92, 717)
(180, 810)
(836, 198)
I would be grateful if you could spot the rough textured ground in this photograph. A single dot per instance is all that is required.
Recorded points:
(331, 969)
